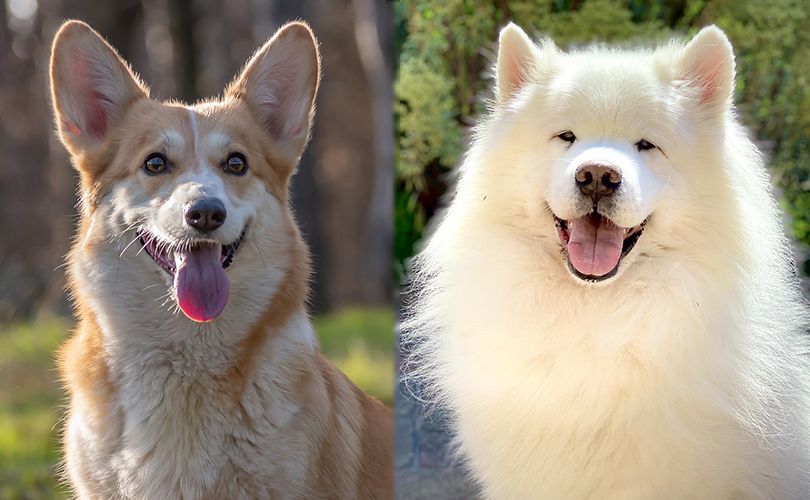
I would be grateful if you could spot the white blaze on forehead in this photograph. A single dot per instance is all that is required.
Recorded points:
(195, 132)
(212, 145)
(201, 180)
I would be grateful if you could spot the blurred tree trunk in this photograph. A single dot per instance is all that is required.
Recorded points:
(160, 71)
(349, 159)
(25, 264)
(225, 39)
(306, 193)
(5, 38)
(374, 31)
(182, 20)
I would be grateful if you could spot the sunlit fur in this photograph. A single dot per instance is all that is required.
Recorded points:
(163, 407)
(684, 376)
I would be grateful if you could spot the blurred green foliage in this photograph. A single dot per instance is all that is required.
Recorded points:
(359, 341)
(447, 50)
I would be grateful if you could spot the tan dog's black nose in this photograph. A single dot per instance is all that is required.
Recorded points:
(598, 179)
(205, 214)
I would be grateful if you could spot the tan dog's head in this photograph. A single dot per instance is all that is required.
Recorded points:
(172, 194)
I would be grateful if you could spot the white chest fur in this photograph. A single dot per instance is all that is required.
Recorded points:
(174, 428)
(664, 389)
(184, 419)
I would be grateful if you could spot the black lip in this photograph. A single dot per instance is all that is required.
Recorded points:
(160, 258)
(229, 250)
(627, 246)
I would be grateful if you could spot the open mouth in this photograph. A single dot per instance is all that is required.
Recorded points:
(595, 246)
(164, 253)
(198, 271)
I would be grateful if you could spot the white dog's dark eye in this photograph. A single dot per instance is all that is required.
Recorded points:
(567, 136)
(155, 164)
(645, 145)
(236, 164)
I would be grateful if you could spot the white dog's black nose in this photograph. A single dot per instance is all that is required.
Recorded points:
(205, 214)
(597, 179)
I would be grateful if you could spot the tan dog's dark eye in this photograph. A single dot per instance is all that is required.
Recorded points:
(155, 164)
(645, 145)
(236, 164)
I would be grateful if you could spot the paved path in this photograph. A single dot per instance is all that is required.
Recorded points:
(426, 467)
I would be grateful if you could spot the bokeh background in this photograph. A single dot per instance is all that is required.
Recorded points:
(446, 49)
(189, 49)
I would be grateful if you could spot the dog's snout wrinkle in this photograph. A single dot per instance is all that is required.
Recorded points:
(597, 179)
(205, 214)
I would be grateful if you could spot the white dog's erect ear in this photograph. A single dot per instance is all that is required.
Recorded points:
(516, 57)
(91, 86)
(279, 84)
(707, 61)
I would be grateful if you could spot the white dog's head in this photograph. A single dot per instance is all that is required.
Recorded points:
(605, 147)
(192, 198)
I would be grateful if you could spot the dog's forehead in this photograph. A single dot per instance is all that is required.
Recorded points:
(603, 88)
(607, 77)
(199, 135)
(188, 130)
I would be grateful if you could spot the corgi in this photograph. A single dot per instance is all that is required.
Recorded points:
(194, 371)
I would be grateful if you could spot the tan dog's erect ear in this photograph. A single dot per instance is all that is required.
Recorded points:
(707, 61)
(91, 86)
(279, 84)
(515, 59)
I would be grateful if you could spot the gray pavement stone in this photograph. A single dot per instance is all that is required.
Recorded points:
(426, 465)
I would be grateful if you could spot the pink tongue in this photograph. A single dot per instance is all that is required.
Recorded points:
(594, 248)
(201, 284)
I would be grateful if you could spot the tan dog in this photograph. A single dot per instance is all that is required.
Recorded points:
(194, 371)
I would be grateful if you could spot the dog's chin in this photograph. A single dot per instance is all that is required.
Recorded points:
(594, 248)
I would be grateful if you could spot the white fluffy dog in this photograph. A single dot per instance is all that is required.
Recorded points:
(609, 307)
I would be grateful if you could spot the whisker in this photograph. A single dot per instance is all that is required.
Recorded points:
(261, 256)
(148, 241)
(137, 237)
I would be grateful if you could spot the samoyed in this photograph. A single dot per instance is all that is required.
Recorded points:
(609, 308)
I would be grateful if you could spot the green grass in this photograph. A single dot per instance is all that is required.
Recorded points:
(30, 408)
(359, 341)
